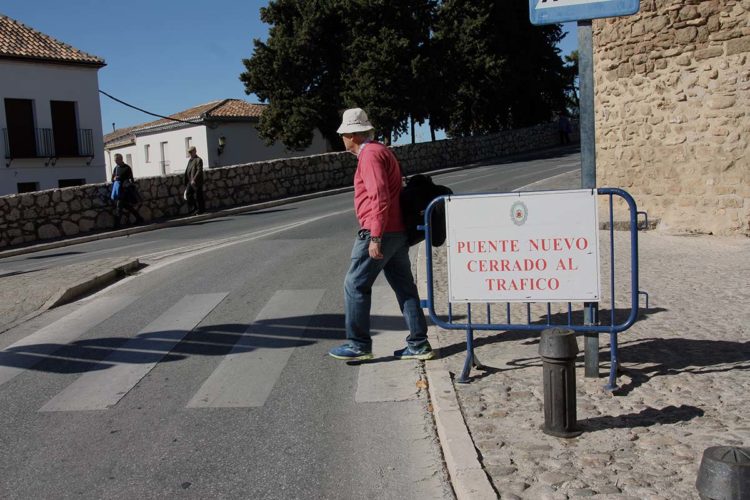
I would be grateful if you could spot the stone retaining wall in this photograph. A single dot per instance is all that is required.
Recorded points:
(673, 112)
(57, 213)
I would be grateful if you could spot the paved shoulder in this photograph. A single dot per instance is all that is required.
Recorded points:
(25, 294)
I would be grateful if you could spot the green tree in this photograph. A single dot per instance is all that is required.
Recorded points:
(498, 70)
(298, 70)
(469, 66)
(389, 39)
(572, 102)
(322, 56)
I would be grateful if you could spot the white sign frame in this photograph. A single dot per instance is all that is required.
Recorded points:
(549, 239)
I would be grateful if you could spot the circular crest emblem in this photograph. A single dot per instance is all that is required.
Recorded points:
(518, 213)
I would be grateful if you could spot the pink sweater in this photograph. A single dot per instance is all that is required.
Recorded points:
(377, 185)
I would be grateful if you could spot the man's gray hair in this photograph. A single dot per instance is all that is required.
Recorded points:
(369, 134)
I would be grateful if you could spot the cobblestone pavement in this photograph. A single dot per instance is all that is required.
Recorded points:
(684, 383)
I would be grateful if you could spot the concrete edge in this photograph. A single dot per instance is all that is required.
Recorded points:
(468, 478)
(100, 280)
(74, 292)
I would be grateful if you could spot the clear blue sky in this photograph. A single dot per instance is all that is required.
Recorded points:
(162, 55)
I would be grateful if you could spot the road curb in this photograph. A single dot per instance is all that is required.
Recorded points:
(97, 281)
(69, 293)
(468, 478)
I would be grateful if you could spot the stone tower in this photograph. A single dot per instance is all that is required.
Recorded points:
(673, 112)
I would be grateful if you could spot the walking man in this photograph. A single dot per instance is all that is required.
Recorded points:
(126, 197)
(564, 128)
(194, 183)
(380, 245)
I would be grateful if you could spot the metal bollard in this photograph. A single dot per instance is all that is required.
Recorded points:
(558, 349)
(724, 473)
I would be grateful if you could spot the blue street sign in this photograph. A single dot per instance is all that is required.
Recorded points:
(560, 11)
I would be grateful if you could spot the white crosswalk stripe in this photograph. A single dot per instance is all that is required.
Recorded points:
(394, 380)
(246, 376)
(14, 359)
(102, 389)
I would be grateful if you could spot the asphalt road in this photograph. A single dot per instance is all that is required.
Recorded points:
(206, 375)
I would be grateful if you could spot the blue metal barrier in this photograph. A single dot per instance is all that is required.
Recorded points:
(612, 328)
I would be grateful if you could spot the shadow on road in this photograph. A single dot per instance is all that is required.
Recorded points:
(211, 340)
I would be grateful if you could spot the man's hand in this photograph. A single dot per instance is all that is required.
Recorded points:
(374, 251)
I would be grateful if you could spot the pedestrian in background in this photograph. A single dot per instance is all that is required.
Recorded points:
(194, 183)
(124, 191)
(564, 127)
(380, 245)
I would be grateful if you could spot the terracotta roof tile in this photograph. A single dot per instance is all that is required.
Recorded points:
(18, 41)
(120, 136)
(237, 108)
(223, 109)
(191, 114)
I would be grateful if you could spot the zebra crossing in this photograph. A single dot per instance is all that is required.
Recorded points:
(245, 376)
(99, 390)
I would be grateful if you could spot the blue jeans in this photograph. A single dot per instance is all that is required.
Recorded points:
(358, 289)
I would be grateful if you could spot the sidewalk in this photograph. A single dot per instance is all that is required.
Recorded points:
(25, 295)
(684, 385)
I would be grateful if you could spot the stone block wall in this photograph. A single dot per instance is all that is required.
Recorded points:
(56, 213)
(673, 112)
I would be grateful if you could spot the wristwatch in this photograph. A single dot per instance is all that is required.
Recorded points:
(376, 239)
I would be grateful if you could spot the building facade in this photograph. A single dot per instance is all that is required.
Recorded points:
(49, 112)
(224, 132)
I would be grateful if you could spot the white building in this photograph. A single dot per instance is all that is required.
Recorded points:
(224, 132)
(49, 112)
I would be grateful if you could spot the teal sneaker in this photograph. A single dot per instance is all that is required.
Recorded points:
(422, 352)
(350, 352)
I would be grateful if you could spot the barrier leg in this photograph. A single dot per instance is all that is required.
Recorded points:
(477, 364)
(464, 377)
(612, 384)
(591, 341)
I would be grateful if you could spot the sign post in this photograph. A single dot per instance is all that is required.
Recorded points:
(587, 124)
(583, 11)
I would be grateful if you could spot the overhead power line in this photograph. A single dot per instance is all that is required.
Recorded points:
(149, 112)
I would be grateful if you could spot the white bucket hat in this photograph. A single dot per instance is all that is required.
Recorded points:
(354, 120)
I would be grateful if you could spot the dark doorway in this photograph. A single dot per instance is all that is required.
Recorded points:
(64, 128)
(27, 187)
(64, 183)
(19, 115)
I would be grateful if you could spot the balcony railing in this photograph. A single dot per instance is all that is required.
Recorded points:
(85, 142)
(43, 145)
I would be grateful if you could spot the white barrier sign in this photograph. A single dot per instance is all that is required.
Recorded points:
(523, 247)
